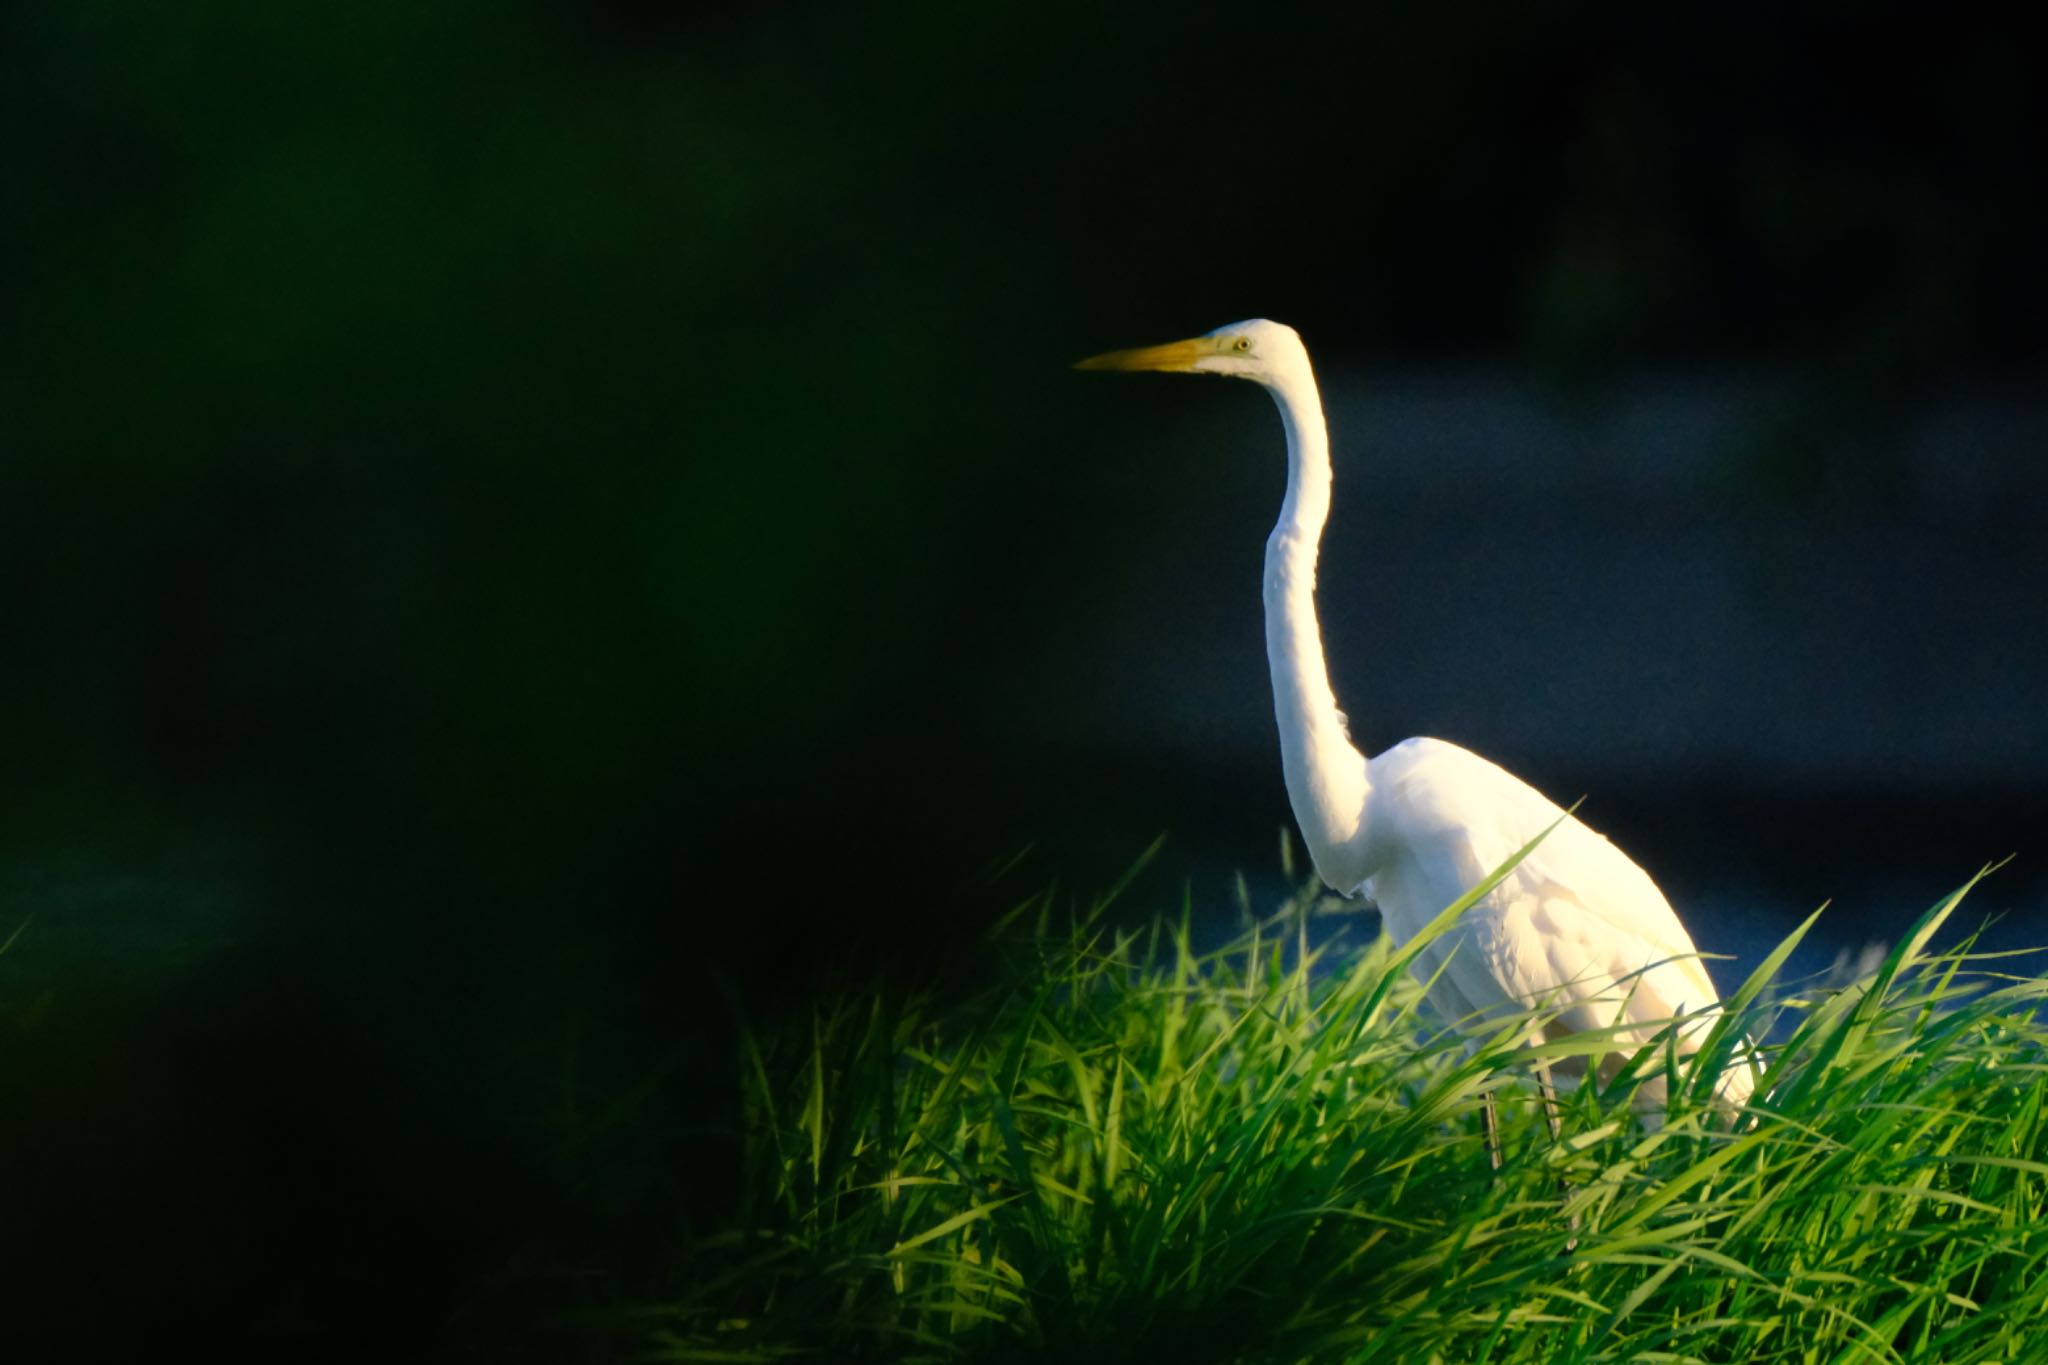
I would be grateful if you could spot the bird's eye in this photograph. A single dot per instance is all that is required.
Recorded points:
(1243, 344)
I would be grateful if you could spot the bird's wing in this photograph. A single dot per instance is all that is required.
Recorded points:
(1576, 907)
(1610, 914)
(1563, 944)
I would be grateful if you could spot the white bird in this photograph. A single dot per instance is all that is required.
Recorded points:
(1576, 930)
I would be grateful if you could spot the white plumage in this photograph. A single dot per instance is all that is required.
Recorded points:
(1576, 926)
(1576, 929)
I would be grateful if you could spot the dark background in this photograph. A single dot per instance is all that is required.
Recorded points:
(531, 532)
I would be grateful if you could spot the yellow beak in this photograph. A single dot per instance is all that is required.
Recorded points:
(1176, 356)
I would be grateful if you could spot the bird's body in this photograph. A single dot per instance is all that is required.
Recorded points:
(1576, 931)
(1576, 926)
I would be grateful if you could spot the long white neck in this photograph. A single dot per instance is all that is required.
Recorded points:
(1326, 774)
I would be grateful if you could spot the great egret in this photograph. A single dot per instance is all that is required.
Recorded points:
(1576, 930)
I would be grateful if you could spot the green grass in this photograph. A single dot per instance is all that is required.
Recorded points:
(1132, 1149)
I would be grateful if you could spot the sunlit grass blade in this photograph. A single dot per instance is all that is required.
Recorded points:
(1126, 1147)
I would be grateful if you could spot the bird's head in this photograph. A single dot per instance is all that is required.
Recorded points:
(1265, 352)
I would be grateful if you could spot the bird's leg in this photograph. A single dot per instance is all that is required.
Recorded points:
(1564, 1189)
(1491, 1123)
(1549, 1102)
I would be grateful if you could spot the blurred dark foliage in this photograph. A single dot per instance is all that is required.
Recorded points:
(529, 532)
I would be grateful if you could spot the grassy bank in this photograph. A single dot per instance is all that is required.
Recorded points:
(1270, 1153)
